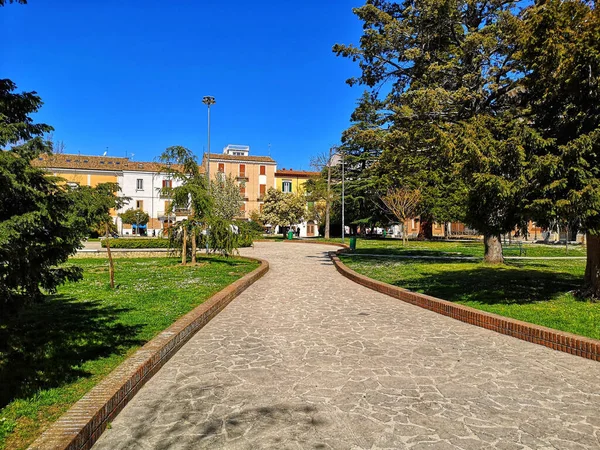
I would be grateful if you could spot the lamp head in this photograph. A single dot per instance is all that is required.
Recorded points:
(209, 100)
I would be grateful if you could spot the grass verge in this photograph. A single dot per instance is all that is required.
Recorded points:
(56, 351)
(535, 291)
(463, 248)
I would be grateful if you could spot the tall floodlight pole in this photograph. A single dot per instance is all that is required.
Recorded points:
(208, 101)
(343, 176)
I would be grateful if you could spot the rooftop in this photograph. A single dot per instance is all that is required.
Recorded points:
(296, 173)
(66, 161)
(220, 157)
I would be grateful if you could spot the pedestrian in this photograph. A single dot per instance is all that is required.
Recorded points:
(297, 232)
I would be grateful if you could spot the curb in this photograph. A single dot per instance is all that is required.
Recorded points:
(81, 426)
(557, 340)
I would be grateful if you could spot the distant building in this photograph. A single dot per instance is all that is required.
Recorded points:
(292, 182)
(142, 181)
(254, 174)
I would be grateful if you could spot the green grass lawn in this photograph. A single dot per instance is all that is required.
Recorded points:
(463, 248)
(536, 291)
(55, 352)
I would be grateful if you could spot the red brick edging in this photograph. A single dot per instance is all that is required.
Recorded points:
(84, 422)
(555, 339)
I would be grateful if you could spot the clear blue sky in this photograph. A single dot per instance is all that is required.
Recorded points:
(130, 75)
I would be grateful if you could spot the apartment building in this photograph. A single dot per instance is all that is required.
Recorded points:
(292, 182)
(254, 174)
(142, 181)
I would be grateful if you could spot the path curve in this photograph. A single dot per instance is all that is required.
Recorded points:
(305, 358)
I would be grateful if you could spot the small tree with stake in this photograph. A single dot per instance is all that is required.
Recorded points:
(97, 203)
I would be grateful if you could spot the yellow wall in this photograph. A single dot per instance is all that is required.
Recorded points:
(97, 179)
(81, 178)
(297, 182)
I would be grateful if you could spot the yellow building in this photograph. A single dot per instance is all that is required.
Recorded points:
(83, 170)
(255, 174)
(292, 182)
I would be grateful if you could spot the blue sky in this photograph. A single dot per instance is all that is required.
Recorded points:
(130, 75)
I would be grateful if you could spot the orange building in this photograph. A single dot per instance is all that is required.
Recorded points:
(254, 174)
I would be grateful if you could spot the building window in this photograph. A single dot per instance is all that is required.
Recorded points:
(261, 207)
(286, 187)
(263, 170)
(139, 204)
(139, 184)
(243, 170)
(242, 208)
(243, 189)
(221, 167)
(167, 183)
(167, 206)
(262, 190)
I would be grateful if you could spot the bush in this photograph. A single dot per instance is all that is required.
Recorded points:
(137, 243)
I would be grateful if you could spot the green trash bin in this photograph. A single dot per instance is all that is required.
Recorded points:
(352, 243)
(290, 235)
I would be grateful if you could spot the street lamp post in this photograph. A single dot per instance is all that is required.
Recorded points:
(208, 101)
(343, 188)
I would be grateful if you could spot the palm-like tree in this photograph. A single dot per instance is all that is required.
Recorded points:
(190, 193)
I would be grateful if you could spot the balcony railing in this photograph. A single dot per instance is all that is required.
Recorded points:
(177, 212)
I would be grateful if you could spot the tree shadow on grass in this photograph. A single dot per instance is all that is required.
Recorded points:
(507, 284)
(46, 344)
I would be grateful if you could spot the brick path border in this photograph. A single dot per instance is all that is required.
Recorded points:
(81, 426)
(537, 334)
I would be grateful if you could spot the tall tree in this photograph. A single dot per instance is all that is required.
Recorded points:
(442, 75)
(38, 228)
(190, 193)
(559, 52)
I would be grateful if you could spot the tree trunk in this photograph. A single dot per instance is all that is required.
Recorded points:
(493, 249)
(328, 202)
(404, 236)
(184, 247)
(592, 267)
(111, 264)
(194, 245)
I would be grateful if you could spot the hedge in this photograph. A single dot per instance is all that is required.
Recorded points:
(159, 243)
(137, 243)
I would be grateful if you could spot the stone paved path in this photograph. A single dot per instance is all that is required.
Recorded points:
(307, 359)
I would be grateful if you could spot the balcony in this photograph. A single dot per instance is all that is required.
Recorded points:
(178, 212)
(242, 176)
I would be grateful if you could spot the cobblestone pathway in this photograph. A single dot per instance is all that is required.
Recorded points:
(307, 359)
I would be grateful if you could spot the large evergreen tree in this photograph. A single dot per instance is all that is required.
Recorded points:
(559, 52)
(442, 74)
(39, 228)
